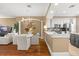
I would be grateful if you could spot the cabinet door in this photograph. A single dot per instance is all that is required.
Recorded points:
(60, 45)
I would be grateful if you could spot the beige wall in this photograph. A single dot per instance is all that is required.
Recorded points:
(77, 24)
(35, 24)
(23, 26)
(7, 21)
(43, 18)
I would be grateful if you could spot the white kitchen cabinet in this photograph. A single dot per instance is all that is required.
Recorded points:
(57, 44)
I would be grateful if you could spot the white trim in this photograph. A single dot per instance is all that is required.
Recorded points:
(6, 17)
(41, 29)
(49, 48)
(60, 54)
(19, 27)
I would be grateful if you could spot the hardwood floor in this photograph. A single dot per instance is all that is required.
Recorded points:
(34, 50)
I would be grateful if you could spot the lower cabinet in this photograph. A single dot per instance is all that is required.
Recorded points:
(60, 45)
(57, 44)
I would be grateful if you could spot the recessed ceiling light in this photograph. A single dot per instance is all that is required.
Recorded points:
(71, 6)
(29, 6)
(56, 4)
(51, 11)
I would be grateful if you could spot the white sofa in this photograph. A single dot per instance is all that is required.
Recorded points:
(5, 40)
(13, 37)
(10, 36)
(23, 42)
(35, 39)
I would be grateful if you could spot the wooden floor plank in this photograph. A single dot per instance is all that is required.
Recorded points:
(34, 50)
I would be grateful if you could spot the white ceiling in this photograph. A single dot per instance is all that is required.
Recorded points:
(62, 9)
(21, 9)
(38, 9)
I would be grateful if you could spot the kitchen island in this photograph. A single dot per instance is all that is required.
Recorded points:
(58, 44)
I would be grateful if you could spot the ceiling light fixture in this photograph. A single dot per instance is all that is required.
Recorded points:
(71, 6)
(51, 11)
(56, 4)
(29, 6)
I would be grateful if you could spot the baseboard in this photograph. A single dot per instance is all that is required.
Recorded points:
(60, 54)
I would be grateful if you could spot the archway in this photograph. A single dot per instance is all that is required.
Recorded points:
(35, 22)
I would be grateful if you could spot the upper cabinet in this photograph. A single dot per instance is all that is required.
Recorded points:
(62, 23)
